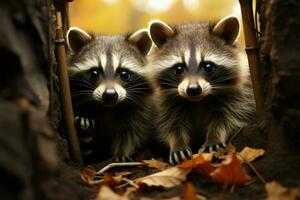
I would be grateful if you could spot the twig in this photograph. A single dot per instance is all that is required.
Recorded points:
(95, 182)
(130, 182)
(253, 169)
(124, 164)
(256, 172)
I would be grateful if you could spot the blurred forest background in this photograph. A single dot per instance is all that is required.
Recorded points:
(119, 16)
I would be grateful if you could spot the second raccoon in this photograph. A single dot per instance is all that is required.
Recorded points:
(204, 92)
(111, 91)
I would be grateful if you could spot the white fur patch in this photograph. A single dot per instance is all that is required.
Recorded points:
(121, 92)
(97, 94)
(164, 63)
(133, 66)
(198, 56)
(182, 87)
(103, 61)
(187, 55)
(86, 64)
(115, 61)
(221, 60)
(206, 87)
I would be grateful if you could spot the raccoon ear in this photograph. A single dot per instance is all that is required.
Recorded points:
(160, 32)
(141, 40)
(77, 38)
(227, 29)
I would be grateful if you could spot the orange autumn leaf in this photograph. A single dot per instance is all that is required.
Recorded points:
(230, 171)
(190, 164)
(199, 165)
(189, 192)
(109, 180)
(205, 168)
(87, 174)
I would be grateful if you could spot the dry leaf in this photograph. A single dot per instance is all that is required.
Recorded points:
(189, 192)
(249, 154)
(110, 181)
(278, 192)
(205, 168)
(206, 156)
(230, 171)
(156, 164)
(167, 178)
(105, 193)
(230, 149)
(199, 165)
(190, 164)
(87, 174)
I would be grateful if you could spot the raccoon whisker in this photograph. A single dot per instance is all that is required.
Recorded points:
(83, 101)
(137, 91)
(135, 86)
(132, 99)
(83, 82)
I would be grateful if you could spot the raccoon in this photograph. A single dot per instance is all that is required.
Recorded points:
(204, 94)
(110, 92)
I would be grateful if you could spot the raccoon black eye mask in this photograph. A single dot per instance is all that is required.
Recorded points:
(204, 95)
(110, 92)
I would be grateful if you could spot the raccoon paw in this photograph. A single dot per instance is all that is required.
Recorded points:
(123, 159)
(84, 123)
(179, 156)
(217, 147)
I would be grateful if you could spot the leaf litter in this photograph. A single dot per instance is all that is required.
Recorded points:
(121, 184)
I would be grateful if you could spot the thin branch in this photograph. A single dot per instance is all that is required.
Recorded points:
(124, 164)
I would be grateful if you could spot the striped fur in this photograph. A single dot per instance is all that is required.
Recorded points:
(122, 125)
(204, 121)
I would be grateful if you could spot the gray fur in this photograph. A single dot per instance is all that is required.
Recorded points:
(208, 123)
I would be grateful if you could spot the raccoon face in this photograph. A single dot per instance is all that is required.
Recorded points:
(108, 69)
(196, 60)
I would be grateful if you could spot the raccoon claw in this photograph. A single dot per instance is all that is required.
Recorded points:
(208, 148)
(84, 123)
(123, 159)
(177, 157)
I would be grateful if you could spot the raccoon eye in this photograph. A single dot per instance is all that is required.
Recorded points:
(179, 68)
(125, 75)
(94, 73)
(209, 67)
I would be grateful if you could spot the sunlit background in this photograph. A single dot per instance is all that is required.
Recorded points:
(119, 16)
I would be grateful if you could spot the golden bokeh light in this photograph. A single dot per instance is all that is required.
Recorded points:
(119, 16)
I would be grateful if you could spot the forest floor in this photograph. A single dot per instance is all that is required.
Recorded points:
(261, 171)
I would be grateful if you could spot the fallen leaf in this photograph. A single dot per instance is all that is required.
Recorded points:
(190, 164)
(110, 181)
(205, 168)
(167, 178)
(249, 154)
(105, 193)
(198, 164)
(189, 192)
(207, 156)
(230, 171)
(88, 174)
(230, 149)
(276, 191)
(156, 164)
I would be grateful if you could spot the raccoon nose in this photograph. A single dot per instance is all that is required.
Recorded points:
(194, 89)
(110, 95)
